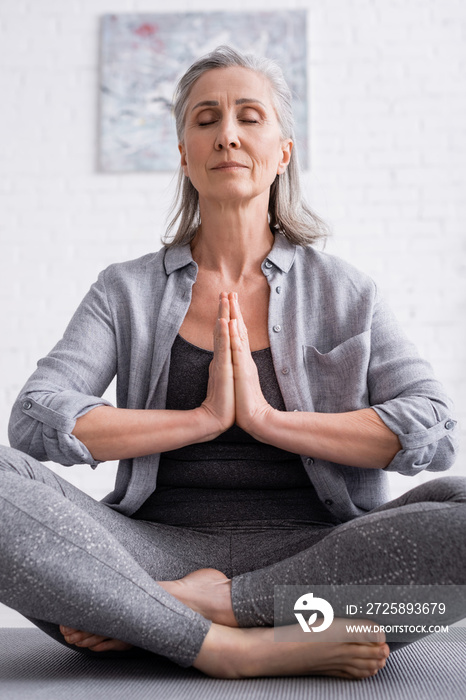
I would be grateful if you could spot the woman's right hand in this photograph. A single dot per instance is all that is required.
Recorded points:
(121, 433)
(219, 403)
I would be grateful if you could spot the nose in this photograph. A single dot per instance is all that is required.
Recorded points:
(227, 135)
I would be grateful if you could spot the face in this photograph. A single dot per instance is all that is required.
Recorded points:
(232, 147)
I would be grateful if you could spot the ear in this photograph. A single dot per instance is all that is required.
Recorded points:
(286, 148)
(183, 162)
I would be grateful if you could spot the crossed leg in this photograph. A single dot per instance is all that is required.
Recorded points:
(415, 539)
(69, 560)
(418, 538)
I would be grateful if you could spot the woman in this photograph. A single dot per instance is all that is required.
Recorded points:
(263, 391)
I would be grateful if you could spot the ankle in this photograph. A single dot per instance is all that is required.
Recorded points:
(207, 592)
(225, 653)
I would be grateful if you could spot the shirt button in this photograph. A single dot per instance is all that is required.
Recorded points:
(309, 461)
(328, 502)
(295, 409)
(278, 289)
(268, 264)
(450, 424)
(27, 405)
(285, 370)
(277, 328)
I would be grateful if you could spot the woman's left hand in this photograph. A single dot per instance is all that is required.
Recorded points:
(251, 407)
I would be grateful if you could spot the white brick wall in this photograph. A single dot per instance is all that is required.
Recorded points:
(387, 148)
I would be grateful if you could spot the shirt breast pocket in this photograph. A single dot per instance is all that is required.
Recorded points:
(338, 379)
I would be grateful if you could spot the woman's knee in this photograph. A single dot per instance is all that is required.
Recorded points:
(12, 460)
(442, 489)
(454, 488)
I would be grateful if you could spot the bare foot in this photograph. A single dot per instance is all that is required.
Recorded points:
(208, 592)
(252, 652)
(94, 642)
(248, 652)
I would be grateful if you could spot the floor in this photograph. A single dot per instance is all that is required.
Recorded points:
(35, 667)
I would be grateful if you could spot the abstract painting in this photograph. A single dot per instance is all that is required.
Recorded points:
(143, 56)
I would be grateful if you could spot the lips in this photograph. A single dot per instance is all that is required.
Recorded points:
(229, 164)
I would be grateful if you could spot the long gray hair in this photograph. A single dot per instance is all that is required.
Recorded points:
(288, 212)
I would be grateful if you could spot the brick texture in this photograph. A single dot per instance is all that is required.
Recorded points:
(387, 149)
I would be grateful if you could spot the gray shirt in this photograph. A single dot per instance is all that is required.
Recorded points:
(335, 346)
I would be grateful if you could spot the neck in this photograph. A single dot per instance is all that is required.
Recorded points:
(232, 240)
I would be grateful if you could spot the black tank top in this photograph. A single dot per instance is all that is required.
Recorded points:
(233, 477)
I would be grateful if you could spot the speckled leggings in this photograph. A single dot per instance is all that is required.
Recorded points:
(67, 559)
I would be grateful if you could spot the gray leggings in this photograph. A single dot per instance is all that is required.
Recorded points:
(68, 559)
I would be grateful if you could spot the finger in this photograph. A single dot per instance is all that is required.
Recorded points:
(224, 306)
(221, 340)
(235, 339)
(235, 313)
(221, 331)
(238, 336)
(235, 310)
(223, 315)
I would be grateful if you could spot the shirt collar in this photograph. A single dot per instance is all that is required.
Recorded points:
(282, 255)
(176, 257)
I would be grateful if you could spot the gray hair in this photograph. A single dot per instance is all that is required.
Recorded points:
(288, 212)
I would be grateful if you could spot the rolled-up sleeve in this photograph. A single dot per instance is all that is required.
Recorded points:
(411, 402)
(67, 383)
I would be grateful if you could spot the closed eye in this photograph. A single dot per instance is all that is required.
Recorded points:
(249, 115)
(244, 121)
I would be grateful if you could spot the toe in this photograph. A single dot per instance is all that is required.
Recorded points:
(363, 668)
(111, 645)
(90, 641)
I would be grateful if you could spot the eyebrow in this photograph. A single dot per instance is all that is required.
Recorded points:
(214, 103)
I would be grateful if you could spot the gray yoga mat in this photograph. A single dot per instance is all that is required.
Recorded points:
(35, 667)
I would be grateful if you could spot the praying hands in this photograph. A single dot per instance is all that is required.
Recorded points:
(234, 394)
